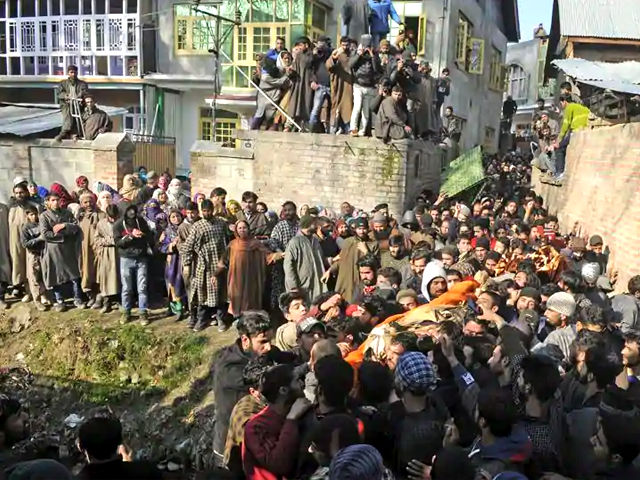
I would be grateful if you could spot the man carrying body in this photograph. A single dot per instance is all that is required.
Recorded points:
(70, 90)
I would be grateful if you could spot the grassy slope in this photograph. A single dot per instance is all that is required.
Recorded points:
(157, 378)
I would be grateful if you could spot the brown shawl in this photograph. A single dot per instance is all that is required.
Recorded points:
(341, 88)
(246, 259)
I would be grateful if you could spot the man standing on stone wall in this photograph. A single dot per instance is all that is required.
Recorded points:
(70, 90)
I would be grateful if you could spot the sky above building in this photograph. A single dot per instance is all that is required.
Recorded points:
(532, 13)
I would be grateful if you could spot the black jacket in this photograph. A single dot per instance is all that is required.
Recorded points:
(129, 246)
(120, 470)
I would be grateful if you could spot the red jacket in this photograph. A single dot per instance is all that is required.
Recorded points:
(270, 446)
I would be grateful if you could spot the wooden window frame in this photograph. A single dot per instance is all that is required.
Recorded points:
(464, 33)
(190, 22)
(496, 70)
(276, 31)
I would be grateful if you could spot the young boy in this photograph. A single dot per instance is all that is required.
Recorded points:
(33, 241)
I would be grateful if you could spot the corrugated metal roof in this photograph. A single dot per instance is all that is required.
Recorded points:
(24, 119)
(600, 18)
(620, 77)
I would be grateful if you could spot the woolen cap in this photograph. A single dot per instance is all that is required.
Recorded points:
(530, 292)
(360, 222)
(595, 240)
(414, 370)
(591, 272)
(563, 303)
(464, 210)
(379, 217)
(483, 242)
(307, 221)
(306, 325)
(357, 462)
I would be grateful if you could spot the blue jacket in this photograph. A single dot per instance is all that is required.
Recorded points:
(380, 12)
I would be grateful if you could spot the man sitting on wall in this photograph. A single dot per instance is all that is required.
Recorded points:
(95, 121)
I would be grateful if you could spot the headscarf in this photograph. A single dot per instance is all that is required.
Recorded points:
(104, 200)
(74, 208)
(174, 192)
(42, 192)
(80, 180)
(199, 194)
(130, 188)
(171, 232)
(300, 214)
(152, 209)
(163, 183)
(156, 194)
(233, 207)
(245, 244)
(65, 197)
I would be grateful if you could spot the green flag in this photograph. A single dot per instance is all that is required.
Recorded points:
(462, 173)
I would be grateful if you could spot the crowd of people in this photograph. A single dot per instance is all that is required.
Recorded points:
(456, 342)
(360, 88)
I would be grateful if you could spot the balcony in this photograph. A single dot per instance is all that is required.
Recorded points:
(45, 37)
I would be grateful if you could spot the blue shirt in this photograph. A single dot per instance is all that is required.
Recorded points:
(379, 18)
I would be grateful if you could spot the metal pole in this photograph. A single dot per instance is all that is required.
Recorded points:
(261, 92)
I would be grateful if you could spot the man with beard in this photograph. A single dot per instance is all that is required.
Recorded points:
(271, 438)
(17, 221)
(304, 262)
(368, 274)
(578, 247)
(70, 90)
(396, 257)
(381, 231)
(392, 121)
(96, 121)
(328, 243)
(353, 249)
(434, 281)
(60, 258)
(255, 334)
(341, 87)
(258, 224)
(201, 254)
(302, 94)
(412, 276)
(320, 83)
(631, 361)
(425, 117)
(134, 241)
(88, 218)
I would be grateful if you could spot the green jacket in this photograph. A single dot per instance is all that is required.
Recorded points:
(575, 117)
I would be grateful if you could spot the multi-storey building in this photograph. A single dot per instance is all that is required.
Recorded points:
(39, 39)
(184, 73)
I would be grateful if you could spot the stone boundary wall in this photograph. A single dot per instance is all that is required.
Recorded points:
(318, 169)
(601, 193)
(108, 158)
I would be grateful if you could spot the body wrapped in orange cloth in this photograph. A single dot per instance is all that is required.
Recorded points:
(450, 306)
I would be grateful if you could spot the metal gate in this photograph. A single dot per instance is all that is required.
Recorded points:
(155, 153)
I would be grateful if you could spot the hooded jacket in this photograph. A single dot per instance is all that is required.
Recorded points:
(129, 246)
(434, 269)
(506, 454)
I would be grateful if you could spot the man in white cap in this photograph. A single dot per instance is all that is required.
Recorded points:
(560, 308)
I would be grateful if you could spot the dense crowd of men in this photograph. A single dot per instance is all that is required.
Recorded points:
(361, 88)
(457, 342)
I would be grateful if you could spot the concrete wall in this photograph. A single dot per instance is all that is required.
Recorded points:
(318, 169)
(108, 158)
(601, 193)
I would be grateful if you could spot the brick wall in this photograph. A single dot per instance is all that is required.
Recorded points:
(318, 169)
(601, 193)
(108, 158)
